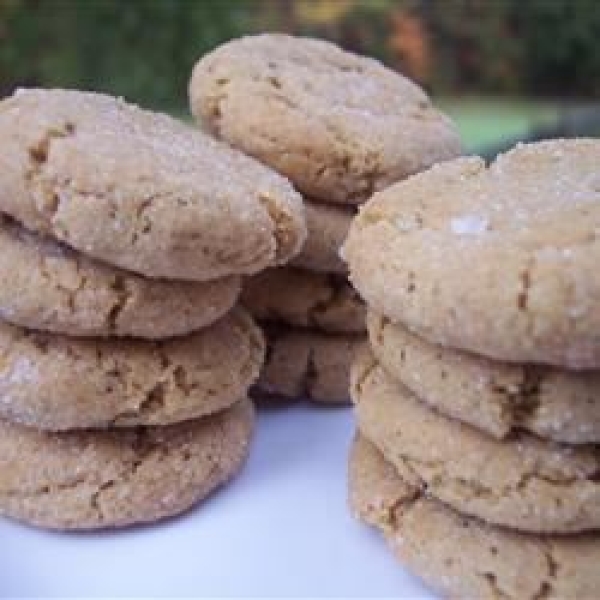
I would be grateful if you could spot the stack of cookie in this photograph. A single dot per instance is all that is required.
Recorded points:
(478, 404)
(340, 127)
(124, 363)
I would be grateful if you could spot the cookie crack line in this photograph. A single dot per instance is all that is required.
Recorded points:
(123, 296)
(96, 497)
(492, 583)
(46, 199)
(546, 588)
(46, 489)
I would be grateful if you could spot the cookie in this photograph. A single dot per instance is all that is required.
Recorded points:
(305, 299)
(48, 286)
(327, 227)
(307, 364)
(339, 125)
(497, 397)
(463, 557)
(59, 383)
(523, 482)
(495, 260)
(141, 190)
(113, 478)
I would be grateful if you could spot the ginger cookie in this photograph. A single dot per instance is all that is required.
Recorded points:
(112, 478)
(463, 557)
(140, 190)
(496, 397)
(522, 482)
(48, 286)
(309, 365)
(59, 383)
(497, 260)
(301, 298)
(338, 125)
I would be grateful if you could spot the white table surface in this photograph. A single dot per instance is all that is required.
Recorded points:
(281, 529)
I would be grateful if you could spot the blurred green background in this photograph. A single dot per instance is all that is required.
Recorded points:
(504, 69)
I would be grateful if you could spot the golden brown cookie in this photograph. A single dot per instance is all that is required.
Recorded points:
(308, 365)
(141, 190)
(460, 556)
(339, 125)
(327, 227)
(46, 285)
(497, 397)
(302, 298)
(522, 482)
(497, 260)
(59, 383)
(112, 478)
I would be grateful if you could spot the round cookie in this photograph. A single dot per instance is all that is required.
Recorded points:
(305, 299)
(141, 190)
(60, 383)
(327, 227)
(113, 478)
(339, 125)
(523, 482)
(308, 364)
(460, 556)
(496, 260)
(48, 286)
(497, 397)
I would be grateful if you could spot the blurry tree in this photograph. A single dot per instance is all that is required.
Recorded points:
(475, 44)
(561, 43)
(410, 44)
(142, 49)
(145, 49)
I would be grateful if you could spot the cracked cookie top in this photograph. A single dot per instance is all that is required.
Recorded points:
(46, 285)
(499, 260)
(523, 482)
(141, 190)
(59, 383)
(339, 125)
(463, 557)
(497, 397)
(112, 478)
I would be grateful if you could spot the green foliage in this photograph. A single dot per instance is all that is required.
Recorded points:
(141, 49)
(145, 49)
(532, 46)
(561, 43)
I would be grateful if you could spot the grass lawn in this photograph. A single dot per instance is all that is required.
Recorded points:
(486, 121)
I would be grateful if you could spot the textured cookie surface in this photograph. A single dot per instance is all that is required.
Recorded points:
(463, 557)
(522, 482)
(327, 227)
(497, 397)
(48, 286)
(59, 383)
(305, 299)
(340, 126)
(308, 364)
(95, 479)
(498, 260)
(140, 190)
